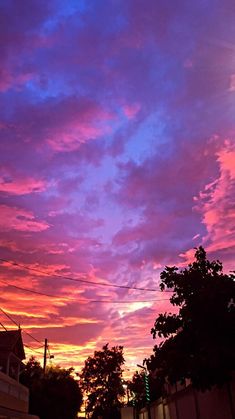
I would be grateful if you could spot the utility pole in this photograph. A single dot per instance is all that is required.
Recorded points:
(45, 356)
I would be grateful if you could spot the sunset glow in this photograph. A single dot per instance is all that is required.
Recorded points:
(117, 157)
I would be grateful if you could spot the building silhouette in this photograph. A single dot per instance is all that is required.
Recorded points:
(14, 397)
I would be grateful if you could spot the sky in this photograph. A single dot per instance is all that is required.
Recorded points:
(117, 158)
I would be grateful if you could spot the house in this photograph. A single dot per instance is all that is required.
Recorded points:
(14, 397)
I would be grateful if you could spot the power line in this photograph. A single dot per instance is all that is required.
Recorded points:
(126, 301)
(9, 317)
(31, 336)
(82, 301)
(32, 349)
(34, 292)
(3, 327)
(27, 346)
(78, 280)
(13, 321)
(49, 353)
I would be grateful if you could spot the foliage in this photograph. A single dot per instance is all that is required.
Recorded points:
(101, 380)
(53, 395)
(136, 388)
(200, 339)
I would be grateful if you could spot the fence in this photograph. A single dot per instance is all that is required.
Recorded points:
(183, 402)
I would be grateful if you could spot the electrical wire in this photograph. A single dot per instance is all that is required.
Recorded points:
(79, 300)
(49, 354)
(125, 301)
(71, 298)
(27, 346)
(34, 292)
(9, 317)
(76, 279)
(3, 327)
(32, 349)
(13, 321)
(31, 336)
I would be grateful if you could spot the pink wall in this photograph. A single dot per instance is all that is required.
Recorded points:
(186, 403)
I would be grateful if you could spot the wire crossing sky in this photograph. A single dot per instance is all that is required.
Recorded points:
(117, 158)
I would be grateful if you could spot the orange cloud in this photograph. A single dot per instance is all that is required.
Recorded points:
(64, 351)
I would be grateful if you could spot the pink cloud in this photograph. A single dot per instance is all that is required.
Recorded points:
(187, 256)
(10, 245)
(13, 218)
(9, 80)
(64, 124)
(131, 110)
(17, 185)
(226, 158)
(72, 137)
(232, 83)
(76, 123)
(20, 36)
(104, 222)
(216, 205)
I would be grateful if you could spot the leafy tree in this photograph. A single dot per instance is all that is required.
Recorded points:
(101, 380)
(53, 395)
(199, 340)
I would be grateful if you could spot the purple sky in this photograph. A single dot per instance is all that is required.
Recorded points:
(117, 157)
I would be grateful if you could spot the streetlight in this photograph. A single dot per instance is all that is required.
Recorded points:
(147, 391)
(141, 366)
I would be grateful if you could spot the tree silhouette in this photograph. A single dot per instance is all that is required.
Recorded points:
(200, 339)
(53, 395)
(101, 380)
(136, 388)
